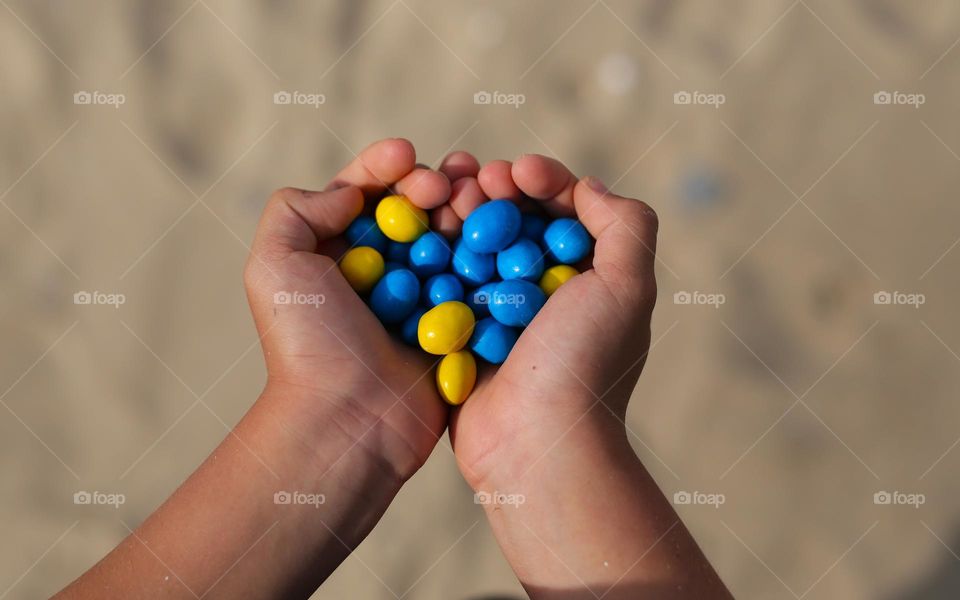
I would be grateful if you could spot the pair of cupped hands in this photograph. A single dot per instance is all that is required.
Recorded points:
(334, 365)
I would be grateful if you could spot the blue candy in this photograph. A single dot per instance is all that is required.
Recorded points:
(515, 302)
(491, 227)
(429, 255)
(398, 252)
(364, 232)
(532, 226)
(566, 241)
(442, 288)
(408, 331)
(492, 340)
(474, 269)
(479, 299)
(521, 260)
(395, 296)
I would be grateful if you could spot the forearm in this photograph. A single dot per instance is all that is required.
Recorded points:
(592, 517)
(229, 530)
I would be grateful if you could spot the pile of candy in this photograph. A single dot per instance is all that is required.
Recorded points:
(471, 298)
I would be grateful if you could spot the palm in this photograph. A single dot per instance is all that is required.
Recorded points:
(569, 357)
(586, 346)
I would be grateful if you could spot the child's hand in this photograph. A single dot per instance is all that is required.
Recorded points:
(547, 426)
(578, 361)
(324, 349)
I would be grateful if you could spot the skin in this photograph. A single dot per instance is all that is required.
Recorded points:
(351, 413)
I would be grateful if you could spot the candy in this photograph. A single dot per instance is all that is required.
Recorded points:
(442, 288)
(398, 252)
(408, 330)
(500, 259)
(554, 277)
(395, 296)
(521, 260)
(566, 241)
(456, 376)
(492, 340)
(429, 255)
(491, 227)
(445, 328)
(400, 220)
(532, 227)
(479, 299)
(364, 232)
(362, 267)
(472, 268)
(516, 301)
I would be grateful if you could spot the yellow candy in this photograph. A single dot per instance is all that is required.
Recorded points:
(362, 267)
(556, 276)
(456, 376)
(400, 220)
(445, 328)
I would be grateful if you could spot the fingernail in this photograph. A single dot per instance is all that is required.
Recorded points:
(596, 185)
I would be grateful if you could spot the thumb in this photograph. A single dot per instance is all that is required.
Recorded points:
(297, 220)
(626, 234)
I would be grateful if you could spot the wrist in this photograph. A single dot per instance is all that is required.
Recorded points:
(560, 451)
(324, 435)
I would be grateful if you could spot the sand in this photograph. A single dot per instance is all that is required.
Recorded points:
(798, 398)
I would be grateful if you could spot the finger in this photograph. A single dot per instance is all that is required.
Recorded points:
(465, 196)
(444, 220)
(626, 234)
(459, 164)
(497, 182)
(425, 187)
(378, 166)
(298, 220)
(546, 180)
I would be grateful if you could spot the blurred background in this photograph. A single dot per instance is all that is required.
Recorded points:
(800, 403)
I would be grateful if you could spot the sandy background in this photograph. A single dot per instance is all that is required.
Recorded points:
(797, 199)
